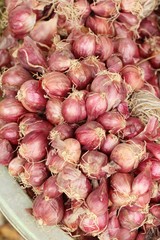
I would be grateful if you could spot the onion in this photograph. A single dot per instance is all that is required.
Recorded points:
(56, 84)
(114, 64)
(94, 65)
(32, 96)
(54, 163)
(5, 58)
(97, 200)
(71, 219)
(104, 47)
(73, 107)
(13, 78)
(21, 20)
(154, 148)
(48, 212)
(134, 126)
(112, 121)
(93, 109)
(34, 174)
(50, 188)
(104, 8)
(33, 146)
(10, 132)
(128, 18)
(6, 152)
(11, 109)
(54, 111)
(154, 167)
(91, 135)
(16, 166)
(73, 183)
(109, 143)
(31, 56)
(122, 31)
(92, 163)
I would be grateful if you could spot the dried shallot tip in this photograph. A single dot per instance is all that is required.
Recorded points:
(73, 107)
(93, 109)
(50, 188)
(112, 121)
(56, 84)
(11, 109)
(105, 8)
(34, 174)
(16, 166)
(141, 9)
(33, 146)
(91, 135)
(54, 111)
(92, 163)
(44, 31)
(133, 127)
(97, 200)
(5, 58)
(31, 57)
(100, 25)
(32, 96)
(10, 132)
(114, 64)
(6, 152)
(73, 183)
(21, 20)
(144, 104)
(104, 47)
(54, 163)
(126, 156)
(92, 224)
(80, 74)
(131, 218)
(94, 65)
(133, 76)
(128, 50)
(48, 212)
(112, 85)
(13, 78)
(111, 140)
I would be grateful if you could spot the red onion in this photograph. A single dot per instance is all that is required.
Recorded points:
(104, 47)
(94, 65)
(100, 25)
(104, 8)
(16, 166)
(130, 218)
(56, 84)
(91, 135)
(21, 20)
(97, 200)
(31, 56)
(32, 122)
(54, 163)
(133, 76)
(79, 74)
(6, 152)
(154, 148)
(73, 183)
(34, 174)
(92, 224)
(14, 77)
(112, 85)
(133, 127)
(112, 121)
(114, 64)
(44, 31)
(73, 107)
(153, 216)
(109, 143)
(147, 71)
(93, 109)
(54, 111)
(92, 163)
(71, 219)
(128, 18)
(32, 96)
(33, 146)
(85, 45)
(10, 132)
(48, 212)
(128, 50)
(50, 188)
(122, 31)
(11, 109)
(69, 150)
(154, 167)
(5, 58)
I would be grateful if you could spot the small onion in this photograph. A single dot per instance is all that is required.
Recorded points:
(10, 132)
(50, 188)
(6, 151)
(16, 166)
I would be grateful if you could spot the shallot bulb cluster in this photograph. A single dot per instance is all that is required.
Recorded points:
(80, 113)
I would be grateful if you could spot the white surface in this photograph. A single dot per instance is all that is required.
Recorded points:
(13, 204)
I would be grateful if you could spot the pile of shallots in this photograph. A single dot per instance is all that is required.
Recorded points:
(80, 113)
